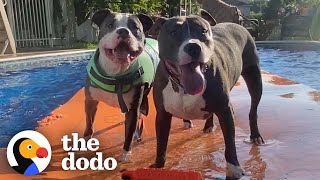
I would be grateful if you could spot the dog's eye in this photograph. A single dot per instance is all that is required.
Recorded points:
(135, 27)
(110, 25)
(204, 31)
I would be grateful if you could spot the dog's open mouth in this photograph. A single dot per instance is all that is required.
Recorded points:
(123, 53)
(194, 66)
(192, 78)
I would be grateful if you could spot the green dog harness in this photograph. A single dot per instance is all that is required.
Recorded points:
(142, 71)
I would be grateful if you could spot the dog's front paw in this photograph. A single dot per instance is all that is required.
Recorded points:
(234, 172)
(187, 125)
(158, 164)
(257, 139)
(155, 165)
(126, 156)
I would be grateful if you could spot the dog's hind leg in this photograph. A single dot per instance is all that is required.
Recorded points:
(139, 130)
(252, 77)
(187, 124)
(90, 109)
(144, 109)
(130, 129)
(209, 126)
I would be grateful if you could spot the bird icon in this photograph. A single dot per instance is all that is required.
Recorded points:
(24, 150)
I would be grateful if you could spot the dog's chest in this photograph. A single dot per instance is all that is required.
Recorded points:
(182, 105)
(111, 99)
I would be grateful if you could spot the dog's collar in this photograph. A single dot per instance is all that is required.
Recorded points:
(171, 75)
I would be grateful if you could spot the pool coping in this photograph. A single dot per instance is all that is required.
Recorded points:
(49, 54)
(285, 45)
(292, 45)
(288, 42)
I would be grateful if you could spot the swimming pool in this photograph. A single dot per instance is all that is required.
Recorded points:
(31, 89)
(299, 66)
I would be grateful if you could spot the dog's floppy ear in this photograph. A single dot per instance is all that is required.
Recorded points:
(146, 21)
(161, 20)
(158, 23)
(99, 16)
(205, 15)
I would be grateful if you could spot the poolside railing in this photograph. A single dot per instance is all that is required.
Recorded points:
(8, 36)
(31, 22)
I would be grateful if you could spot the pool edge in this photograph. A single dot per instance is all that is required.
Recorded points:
(49, 54)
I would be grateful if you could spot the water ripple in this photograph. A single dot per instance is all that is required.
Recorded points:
(29, 91)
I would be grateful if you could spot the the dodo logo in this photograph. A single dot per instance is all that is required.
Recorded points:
(29, 153)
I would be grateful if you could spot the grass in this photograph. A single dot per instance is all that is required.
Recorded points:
(84, 45)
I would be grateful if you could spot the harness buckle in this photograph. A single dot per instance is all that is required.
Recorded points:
(140, 71)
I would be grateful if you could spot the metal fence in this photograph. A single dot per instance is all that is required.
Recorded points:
(31, 22)
(185, 7)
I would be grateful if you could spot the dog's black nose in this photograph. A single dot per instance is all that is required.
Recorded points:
(123, 33)
(193, 49)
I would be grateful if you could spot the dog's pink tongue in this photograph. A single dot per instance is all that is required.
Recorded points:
(192, 80)
(123, 56)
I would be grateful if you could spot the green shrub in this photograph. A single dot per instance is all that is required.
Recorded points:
(254, 15)
(84, 45)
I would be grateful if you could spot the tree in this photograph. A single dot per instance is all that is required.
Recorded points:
(257, 7)
(273, 9)
(277, 9)
(71, 24)
(84, 8)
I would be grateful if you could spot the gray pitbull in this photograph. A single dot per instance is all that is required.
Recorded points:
(121, 71)
(153, 33)
(199, 66)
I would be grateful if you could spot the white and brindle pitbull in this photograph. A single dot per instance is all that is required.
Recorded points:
(116, 72)
(153, 33)
(199, 66)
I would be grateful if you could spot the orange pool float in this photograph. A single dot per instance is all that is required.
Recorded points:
(160, 174)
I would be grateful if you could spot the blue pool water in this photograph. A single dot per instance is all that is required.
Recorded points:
(300, 66)
(30, 90)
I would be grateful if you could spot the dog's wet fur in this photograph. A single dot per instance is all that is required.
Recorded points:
(201, 62)
(121, 41)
